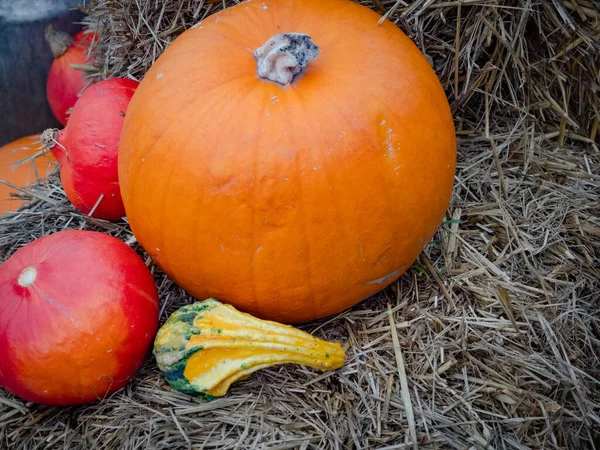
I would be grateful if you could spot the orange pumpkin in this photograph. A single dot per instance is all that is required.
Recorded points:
(291, 175)
(21, 174)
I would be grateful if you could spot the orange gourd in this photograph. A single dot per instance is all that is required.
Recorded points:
(22, 174)
(289, 158)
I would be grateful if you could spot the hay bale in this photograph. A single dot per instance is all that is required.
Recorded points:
(491, 341)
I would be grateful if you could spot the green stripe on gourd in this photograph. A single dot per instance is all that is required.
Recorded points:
(170, 345)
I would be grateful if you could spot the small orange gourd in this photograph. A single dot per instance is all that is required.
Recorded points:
(21, 173)
(288, 157)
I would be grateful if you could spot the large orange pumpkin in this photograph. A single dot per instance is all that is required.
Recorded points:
(291, 175)
(23, 174)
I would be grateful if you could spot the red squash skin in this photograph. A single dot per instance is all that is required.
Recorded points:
(64, 82)
(87, 148)
(86, 324)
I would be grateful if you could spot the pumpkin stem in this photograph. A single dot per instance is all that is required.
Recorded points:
(284, 56)
(59, 41)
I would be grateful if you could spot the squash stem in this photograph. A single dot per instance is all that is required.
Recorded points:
(59, 41)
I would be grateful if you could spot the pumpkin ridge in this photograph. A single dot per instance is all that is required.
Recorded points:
(391, 228)
(7, 320)
(184, 111)
(248, 366)
(223, 136)
(365, 93)
(222, 387)
(162, 260)
(302, 200)
(339, 112)
(256, 154)
(134, 178)
(288, 113)
(384, 102)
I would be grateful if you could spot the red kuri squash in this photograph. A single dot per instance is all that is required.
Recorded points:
(87, 148)
(64, 81)
(288, 157)
(23, 174)
(78, 315)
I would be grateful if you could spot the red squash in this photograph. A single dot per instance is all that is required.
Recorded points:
(65, 82)
(78, 314)
(87, 148)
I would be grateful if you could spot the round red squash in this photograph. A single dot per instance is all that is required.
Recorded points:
(288, 157)
(88, 148)
(78, 314)
(22, 174)
(64, 81)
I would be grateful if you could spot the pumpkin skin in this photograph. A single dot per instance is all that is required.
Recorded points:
(205, 347)
(292, 202)
(88, 148)
(23, 174)
(84, 325)
(65, 82)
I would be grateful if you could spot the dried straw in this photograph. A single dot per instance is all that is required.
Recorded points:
(492, 339)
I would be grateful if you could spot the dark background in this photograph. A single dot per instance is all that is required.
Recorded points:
(25, 60)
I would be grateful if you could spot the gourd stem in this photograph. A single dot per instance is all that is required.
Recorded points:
(50, 142)
(59, 41)
(285, 56)
(48, 137)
